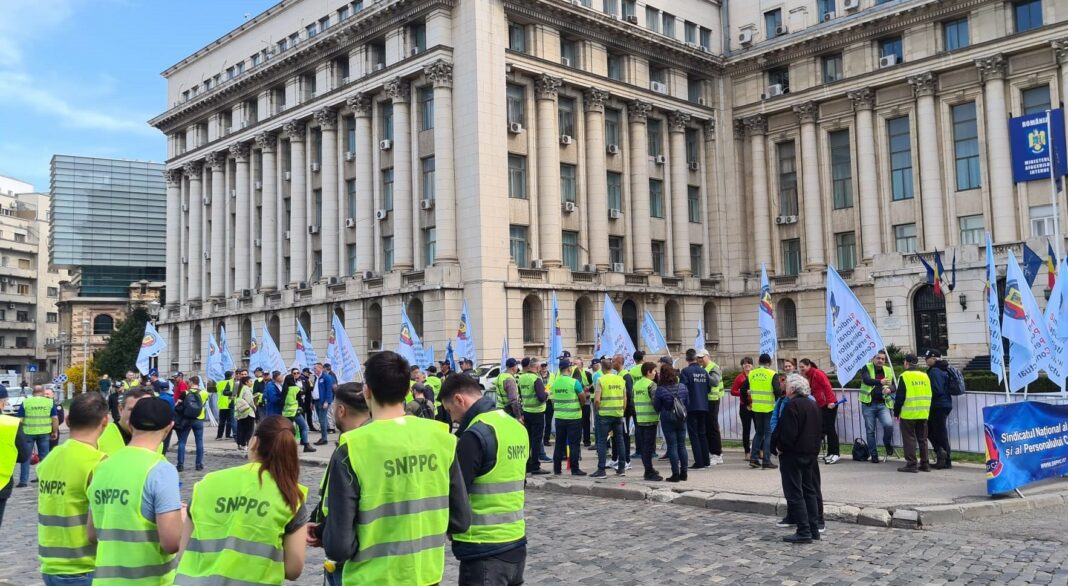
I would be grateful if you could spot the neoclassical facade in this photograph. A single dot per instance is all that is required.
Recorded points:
(424, 153)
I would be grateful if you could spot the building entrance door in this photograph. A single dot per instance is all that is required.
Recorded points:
(929, 312)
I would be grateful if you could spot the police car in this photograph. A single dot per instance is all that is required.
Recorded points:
(11, 406)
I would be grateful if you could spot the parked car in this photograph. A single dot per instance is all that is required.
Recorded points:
(11, 407)
(487, 375)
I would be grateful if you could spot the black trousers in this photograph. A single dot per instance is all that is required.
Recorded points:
(626, 442)
(547, 430)
(914, 435)
(938, 428)
(830, 429)
(746, 417)
(587, 424)
(493, 571)
(715, 439)
(3, 505)
(645, 439)
(800, 487)
(695, 427)
(225, 416)
(568, 431)
(245, 428)
(535, 423)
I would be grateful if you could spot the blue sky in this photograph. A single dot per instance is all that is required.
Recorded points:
(82, 77)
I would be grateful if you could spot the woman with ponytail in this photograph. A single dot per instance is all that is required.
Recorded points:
(248, 524)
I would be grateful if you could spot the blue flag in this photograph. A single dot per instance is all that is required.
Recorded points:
(1025, 329)
(450, 357)
(213, 365)
(651, 334)
(427, 357)
(769, 338)
(851, 334)
(1056, 310)
(699, 339)
(271, 356)
(344, 362)
(409, 345)
(151, 345)
(993, 315)
(616, 339)
(465, 338)
(556, 338)
(1032, 263)
(504, 352)
(224, 351)
(305, 354)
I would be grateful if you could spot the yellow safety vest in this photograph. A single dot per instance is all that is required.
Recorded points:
(9, 452)
(527, 394)
(716, 392)
(917, 395)
(643, 402)
(865, 390)
(63, 509)
(38, 419)
(502, 394)
(613, 394)
(761, 390)
(220, 388)
(497, 497)
(566, 403)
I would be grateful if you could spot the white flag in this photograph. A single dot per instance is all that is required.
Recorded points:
(151, 345)
(769, 338)
(652, 336)
(1055, 312)
(1023, 326)
(346, 364)
(852, 336)
(616, 339)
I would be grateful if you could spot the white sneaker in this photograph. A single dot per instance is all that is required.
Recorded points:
(717, 459)
(612, 464)
(627, 466)
(833, 459)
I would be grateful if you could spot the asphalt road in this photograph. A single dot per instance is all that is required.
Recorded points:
(586, 540)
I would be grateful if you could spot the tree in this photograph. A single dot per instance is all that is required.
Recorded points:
(74, 376)
(120, 354)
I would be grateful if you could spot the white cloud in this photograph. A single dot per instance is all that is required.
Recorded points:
(47, 103)
(27, 20)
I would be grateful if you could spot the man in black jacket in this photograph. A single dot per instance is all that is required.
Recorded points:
(796, 440)
(941, 406)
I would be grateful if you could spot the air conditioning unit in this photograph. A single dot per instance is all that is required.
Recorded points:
(228, 130)
(701, 102)
(380, 66)
(185, 260)
(691, 44)
(185, 207)
(565, 62)
(303, 285)
(286, 235)
(258, 185)
(565, 139)
(783, 220)
(315, 167)
(344, 80)
(615, 214)
(660, 159)
(791, 219)
(207, 200)
(569, 207)
(887, 61)
(781, 30)
(617, 267)
(658, 87)
(288, 175)
(780, 220)
(633, 19)
(851, 4)
(257, 243)
(368, 275)
(613, 149)
(385, 145)
(515, 127)
(246, 293)
(313, 229)
(745, 38)
(705, 49)
(207, 255)
(415, 50)
(694, 166)
(350, 223)
(537, 264)
(426, 204)
(381, 214)
(773, 90)
(829, 15)
(333, 281)
(589, 268)
(233, 193)
(349, 155)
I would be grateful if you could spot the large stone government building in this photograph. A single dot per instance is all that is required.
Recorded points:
(424, 152)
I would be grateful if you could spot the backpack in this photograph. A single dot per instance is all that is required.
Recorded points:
(191, 405)
(860, 450)
(955, 381)
(420, 407)
(678, 410)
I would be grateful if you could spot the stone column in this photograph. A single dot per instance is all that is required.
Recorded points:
(871, 229)
(269, 226)
(327, 120)
(550, 237)
(361, 105)
(811, 193)
(298, 203)
(1060, 51)
(399, 90)
(174, 217)
(924, 86)
(243, 220)
(1002, 193)
(756, 127)
(193, 171)
(440, 74)
(680, 213)
(217, 162)
(596, 178)
(641, 238)
(717, 225)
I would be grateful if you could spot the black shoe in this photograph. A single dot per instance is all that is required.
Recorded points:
(820, 526)
(34, 481)
(664, 457)
(21, 485)
(621, 471)
(786, 522)
(321, 442)
(682, 476)
(547, 444)
(200, 467)
(797, 538)
(769, 466)
(673, 478)
(754, 464)
(578, 473)
(653, 477)
(539, 471)
(875, 460)
(308, 449)
(599, 474)
(816, 536)
(908, 469)
(925, 467)
(181, 468)
(698, 467)
(889, 451)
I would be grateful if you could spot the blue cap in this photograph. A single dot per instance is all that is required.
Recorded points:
(511, 363)
(565, 364)
(153, 372)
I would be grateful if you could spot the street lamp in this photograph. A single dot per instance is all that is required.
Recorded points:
(85, 353)
(153, 309)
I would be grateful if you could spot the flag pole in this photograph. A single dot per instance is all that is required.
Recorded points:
(1058, 241)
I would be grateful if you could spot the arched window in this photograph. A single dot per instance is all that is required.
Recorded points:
(175, 335)
(197, 345)
(711, 322)
(340, 313)
(275, 329)
(305, 322)
(374, 327)
(415, 315)
(533, 320)
(673, 319)
(630, 320)
(786, 317)
(584, 327)
(246, 336)
(103, 325)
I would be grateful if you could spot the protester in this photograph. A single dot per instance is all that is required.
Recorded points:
(274, 531)
(40, 423)
(364, 477)
(912, 405)
(941, 406)
(827, 401)
(695, 377)
(590, 379)
(153, 506)
(66, 555)
(224, 389)
(114, 398)
(119, 433)
(273, 394)
(876, 382)
(132, 380)
(758, 391)
(796, 441)
(570, 396)
(507, 389)
(326, 384)
(467, 366)
(533, 396)
(291, 410)
(715, 394)
(307, 401)
(14, 449)
(165, 393)
(745, 408)
(609, 404)
(647, 418)
(191, 411)
(493, 549)
(245, 412)
(670, 391)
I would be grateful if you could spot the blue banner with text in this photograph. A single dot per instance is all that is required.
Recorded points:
(1025, 442)
(1033, 139)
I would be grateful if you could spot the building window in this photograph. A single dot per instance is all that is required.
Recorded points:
(832, 68)
(706, 38)
(518, 245)
(787, 319)
(825, 6)
(669, 25)
(568, 52)
(350, 259)
(567, 183)
(517, 176)
(571, 250)
(630, 8)
(611, 7)
(24, 263)
(656, 198)
(654, 133)
(773, 23)
(1035, 100)
(652, 19)
(103, 325)
(615, 250)
(22, 289)
(899, 134)
(615, 67)
(387, 189)
(972, 229)
(845, 244)
(690, 32)
(430, 245)
(841, 169)
(611, 126)
(1041, 221)
(566, 116)
(350, 134)
(1027, 15)
(966, 146)
(693, 90)
(22, 316)
(53, 291)
(780, 76)
(693, 203)
(955, 34)
(52, 317)
(532, 319)
(892, 46)
(657, 73)
(343, 13)
(426, 107)
(659, 263)
(787, 178)
(615, 190)
(428, 166)
(791, 257)
(517, 38)
(350, 198)
(905, 238)
(387, 254)
(516, 104)
(696, 260)
(692, 148)
(418, 37)
(387, 121)
(312, 30)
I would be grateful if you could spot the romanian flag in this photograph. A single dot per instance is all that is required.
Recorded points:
(934, 274)
(1051, 265)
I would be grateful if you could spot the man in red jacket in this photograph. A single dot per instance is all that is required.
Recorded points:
(744, 413)
(828, 404)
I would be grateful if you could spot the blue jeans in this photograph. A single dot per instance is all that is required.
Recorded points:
(197, 427)
(41, 441)
(878, 411)
(762, 438)
(324, 423)
(68, 579)
(675, 436)
(302, 425)
(604, 426)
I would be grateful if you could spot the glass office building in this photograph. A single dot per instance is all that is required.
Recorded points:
(108, 219)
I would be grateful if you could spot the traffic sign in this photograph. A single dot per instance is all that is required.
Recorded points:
(31, 368)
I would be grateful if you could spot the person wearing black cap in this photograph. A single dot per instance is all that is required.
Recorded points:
(912, 405)
(508, 390)
(570, 397)
(941, 406)
(13, 450)
(533, 397)
(592, 376)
